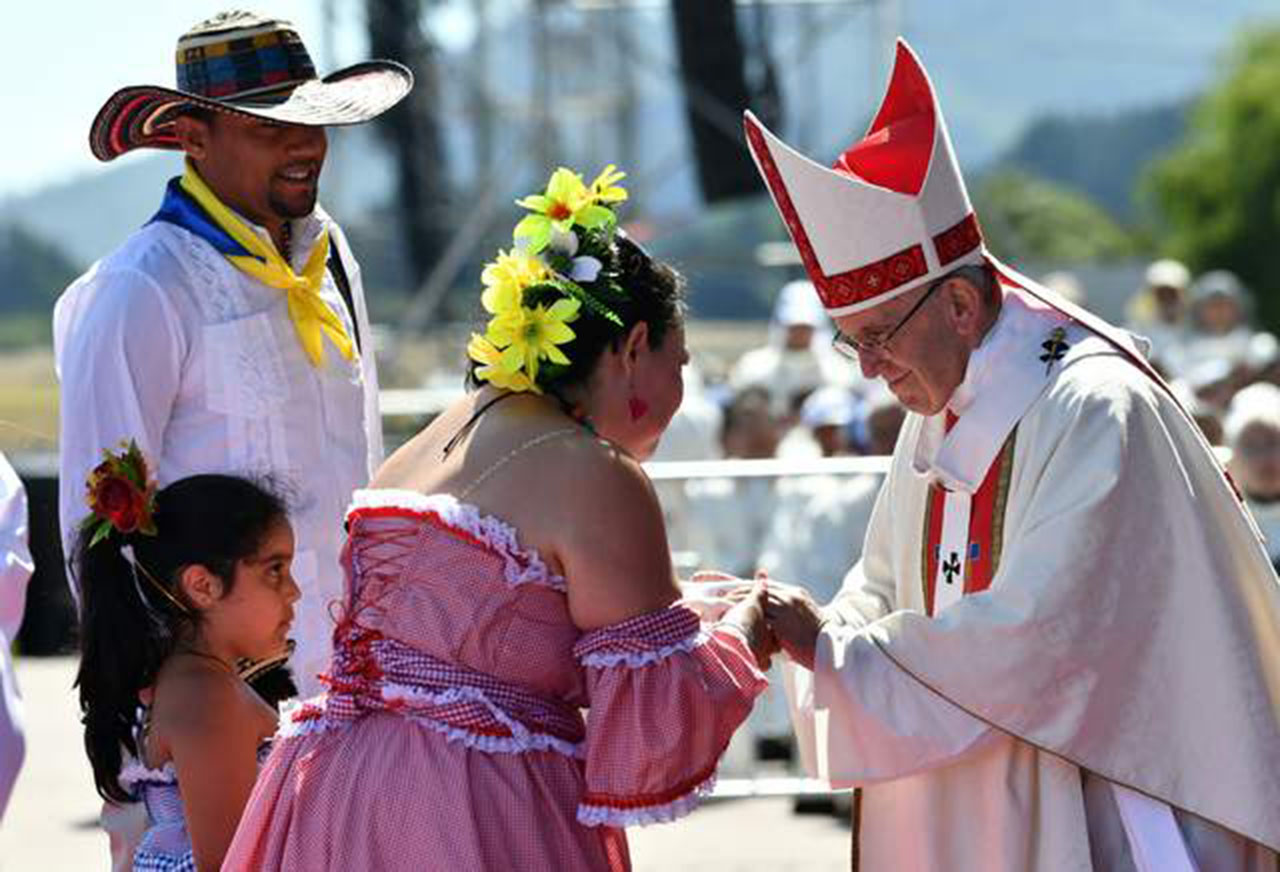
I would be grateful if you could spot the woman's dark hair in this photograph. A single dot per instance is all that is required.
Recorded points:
(650, 291)
(128, 628)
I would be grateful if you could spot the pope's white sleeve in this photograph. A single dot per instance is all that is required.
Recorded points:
(873, 721)
(120, 348)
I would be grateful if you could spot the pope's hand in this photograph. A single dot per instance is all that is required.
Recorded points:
(748, 617)
(795, 620)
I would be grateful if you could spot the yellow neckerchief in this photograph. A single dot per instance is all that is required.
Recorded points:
(312, 319)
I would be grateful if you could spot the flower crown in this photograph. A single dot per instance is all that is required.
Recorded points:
(121, 494)
(558, 265)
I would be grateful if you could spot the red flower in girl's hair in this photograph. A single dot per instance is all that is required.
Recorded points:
(121, 494)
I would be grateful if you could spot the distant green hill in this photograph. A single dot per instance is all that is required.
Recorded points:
(35, 271)
(1101, 156)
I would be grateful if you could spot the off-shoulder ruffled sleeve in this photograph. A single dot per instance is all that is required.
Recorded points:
(667, 693)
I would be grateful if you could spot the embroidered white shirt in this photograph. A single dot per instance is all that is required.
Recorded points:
(166, 342)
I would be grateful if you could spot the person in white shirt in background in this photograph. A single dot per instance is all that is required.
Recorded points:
(1223, 352)
(16, 567)
(1221, 332)
(821, 520)
(798, 358)
(1158, 312)
(1252, 430)
(230, 333)
(693, 434)
(827, 414)
(733, 515)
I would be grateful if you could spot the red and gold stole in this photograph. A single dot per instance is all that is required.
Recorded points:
(974, 569)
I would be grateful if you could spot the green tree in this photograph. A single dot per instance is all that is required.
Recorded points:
(1218, 191)
(1027, 218)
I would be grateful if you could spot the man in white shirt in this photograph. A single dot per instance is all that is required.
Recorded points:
(1058, 650)
(230, 333)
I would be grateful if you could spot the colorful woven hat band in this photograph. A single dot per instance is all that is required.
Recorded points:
(245, 64)
(260, 63)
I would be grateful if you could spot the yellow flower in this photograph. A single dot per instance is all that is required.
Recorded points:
(605, 190)
(483, 351)
(506, 278)
(534, 337)
(567, 201)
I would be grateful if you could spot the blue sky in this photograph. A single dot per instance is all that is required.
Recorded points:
(63, 58)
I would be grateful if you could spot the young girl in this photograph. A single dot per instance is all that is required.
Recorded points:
(176, 587)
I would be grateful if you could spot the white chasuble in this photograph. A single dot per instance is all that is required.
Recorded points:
(1110, 662)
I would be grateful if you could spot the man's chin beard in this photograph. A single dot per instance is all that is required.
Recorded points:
(288, 211)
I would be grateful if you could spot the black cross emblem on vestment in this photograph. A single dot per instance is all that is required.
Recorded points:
(1054, 348)
(951, 568)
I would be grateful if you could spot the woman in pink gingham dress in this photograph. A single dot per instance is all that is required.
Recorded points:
(477, 628)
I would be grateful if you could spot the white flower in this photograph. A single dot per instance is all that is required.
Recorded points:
(581, 269)
(585, 269)
(564, 242)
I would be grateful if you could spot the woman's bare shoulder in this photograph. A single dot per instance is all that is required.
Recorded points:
(426, 446)
(611, 541)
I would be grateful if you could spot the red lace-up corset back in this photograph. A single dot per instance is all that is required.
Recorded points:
(439, 576)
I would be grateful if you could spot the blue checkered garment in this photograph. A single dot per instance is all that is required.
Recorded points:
(166, 845)
(146, 862)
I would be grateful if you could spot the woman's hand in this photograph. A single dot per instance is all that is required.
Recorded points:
(749, 618)
(795, 620)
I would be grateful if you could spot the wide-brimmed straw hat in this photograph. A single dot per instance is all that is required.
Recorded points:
(246, 64)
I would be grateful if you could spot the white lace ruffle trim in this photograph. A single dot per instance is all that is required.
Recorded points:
(134, 772)
(636, 659)
(522, 739)
(521, 565)
(603, 815)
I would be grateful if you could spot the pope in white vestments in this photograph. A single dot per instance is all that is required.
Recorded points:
(1061, 647)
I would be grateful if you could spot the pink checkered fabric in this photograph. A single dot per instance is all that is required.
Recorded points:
(451, 737)
(680, 699)
(375, 674)
(640, 638)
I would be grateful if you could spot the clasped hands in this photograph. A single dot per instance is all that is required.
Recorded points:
(772, 615)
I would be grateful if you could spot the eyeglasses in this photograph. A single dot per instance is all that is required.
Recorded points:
(854, 348)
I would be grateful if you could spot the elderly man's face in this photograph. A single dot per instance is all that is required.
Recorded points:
(266, 171)
(925, 361)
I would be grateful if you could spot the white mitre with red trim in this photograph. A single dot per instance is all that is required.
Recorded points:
(893, 211)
